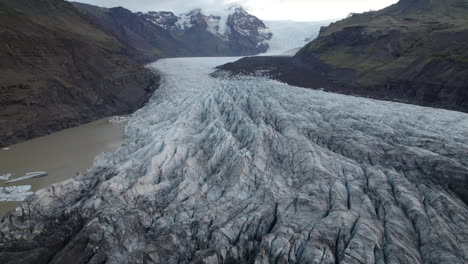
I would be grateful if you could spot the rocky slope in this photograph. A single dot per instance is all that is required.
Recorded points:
(413, 51)
(234, 33)
(249, 170)
(59, 70)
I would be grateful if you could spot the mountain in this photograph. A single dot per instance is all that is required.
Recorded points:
(163, 34)
(412, 51)
(63, 64)
(232, 33)
(150, 39)
(59, 69)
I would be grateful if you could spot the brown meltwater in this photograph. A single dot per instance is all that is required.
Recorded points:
(62, 155)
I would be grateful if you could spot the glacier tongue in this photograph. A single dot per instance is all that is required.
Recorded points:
(247, 170)
(290, 36)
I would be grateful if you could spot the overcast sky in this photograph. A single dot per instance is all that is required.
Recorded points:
(299, 10)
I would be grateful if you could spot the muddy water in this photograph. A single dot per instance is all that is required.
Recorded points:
(61, 154)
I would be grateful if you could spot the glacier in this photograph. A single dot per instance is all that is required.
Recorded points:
(250, 170)
(290, 36)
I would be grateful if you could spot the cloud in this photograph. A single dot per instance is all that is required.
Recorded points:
(300, 10)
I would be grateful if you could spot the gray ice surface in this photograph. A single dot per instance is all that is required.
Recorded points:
(249, 170)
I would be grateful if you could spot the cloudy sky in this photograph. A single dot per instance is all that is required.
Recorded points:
(299, 10)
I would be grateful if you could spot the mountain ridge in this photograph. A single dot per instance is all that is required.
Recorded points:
(232, 33)
(151, 40)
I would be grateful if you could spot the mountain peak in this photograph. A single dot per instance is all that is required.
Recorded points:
(234, 27)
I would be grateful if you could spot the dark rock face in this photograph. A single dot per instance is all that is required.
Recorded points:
(59, 70)
(192, 29)
(164, 19)
(150, 39)
(246, 33)
(236, 33)
(413, 51)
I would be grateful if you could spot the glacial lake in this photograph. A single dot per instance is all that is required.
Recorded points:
(62, 155)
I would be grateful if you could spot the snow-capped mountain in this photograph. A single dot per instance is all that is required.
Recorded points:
(234, 31)
(166, 20)
(243, 25)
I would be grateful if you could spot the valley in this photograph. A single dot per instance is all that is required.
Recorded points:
(246, 169)
(242, 141)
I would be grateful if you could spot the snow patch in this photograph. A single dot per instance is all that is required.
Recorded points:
(213, 25)
(184, 22)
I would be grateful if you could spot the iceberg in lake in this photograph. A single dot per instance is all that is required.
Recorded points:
(29, 175)
(15, 193)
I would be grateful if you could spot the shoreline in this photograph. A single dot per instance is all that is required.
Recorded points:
(62, 155)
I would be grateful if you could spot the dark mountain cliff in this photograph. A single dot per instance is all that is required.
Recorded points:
(248, 30)
(59, 70)
(413, 51)
(151, 40)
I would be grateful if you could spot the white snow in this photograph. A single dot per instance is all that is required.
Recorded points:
(185, 22)
(214, 25)
(222, 24)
